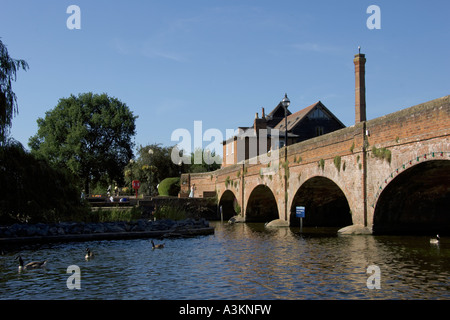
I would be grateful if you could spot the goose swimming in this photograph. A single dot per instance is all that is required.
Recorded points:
(89, 254)
(157, 246)
(30, 265)
(436, 240)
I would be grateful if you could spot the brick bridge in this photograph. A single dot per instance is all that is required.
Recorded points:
(391, 174)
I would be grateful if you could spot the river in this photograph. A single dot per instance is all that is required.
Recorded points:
(240, 261)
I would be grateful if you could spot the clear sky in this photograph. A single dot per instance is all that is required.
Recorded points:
(219, 61)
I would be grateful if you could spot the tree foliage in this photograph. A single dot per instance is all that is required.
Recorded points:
(8, 100)
(205, 165)
(154, 164)
(34, 191)
(90, 134)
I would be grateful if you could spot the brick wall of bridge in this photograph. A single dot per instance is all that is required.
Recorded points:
(406, 134)
(412, 136)
(317, 157)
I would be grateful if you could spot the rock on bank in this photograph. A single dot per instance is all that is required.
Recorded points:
(355, 229)
(79, 231)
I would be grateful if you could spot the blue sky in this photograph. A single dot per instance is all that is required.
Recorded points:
(175, 62)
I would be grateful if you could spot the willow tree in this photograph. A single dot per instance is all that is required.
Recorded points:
(90, 134)
(8, 100)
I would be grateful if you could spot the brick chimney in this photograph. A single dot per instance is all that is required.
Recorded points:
(360, 87)
(259, 123)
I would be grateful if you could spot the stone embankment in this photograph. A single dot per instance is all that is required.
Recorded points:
(79, 231)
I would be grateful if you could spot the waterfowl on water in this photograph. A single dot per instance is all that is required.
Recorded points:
(89, 254)
(157, 246)
(435, 241)
(30, 265)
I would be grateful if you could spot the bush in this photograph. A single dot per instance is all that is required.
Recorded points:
(169, 187)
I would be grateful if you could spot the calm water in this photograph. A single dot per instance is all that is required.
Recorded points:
(241, 261)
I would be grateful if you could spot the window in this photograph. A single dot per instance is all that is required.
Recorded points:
(318, 114)
(319, 131)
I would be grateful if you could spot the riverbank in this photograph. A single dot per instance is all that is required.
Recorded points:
(78, 231)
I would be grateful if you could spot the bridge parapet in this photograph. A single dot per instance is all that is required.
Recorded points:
(338, 143)
(423, 121)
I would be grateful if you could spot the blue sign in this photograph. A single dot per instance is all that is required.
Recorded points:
(300, 212)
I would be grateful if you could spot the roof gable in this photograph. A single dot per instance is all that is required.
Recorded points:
(316, 110)
(278, 112)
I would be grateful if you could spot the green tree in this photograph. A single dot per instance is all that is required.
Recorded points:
(207, 164)
(153, 164)
(8, 100)
(90, 134)
(34, 191)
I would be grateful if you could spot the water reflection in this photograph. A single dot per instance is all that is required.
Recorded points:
(241, 261)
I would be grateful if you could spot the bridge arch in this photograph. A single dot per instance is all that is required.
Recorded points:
(416, 200)
(261, 205)
(229, 204)
(325, 203)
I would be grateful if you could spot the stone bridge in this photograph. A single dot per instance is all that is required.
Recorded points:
(391, 174)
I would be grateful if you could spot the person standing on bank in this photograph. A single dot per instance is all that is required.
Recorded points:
(191, 195)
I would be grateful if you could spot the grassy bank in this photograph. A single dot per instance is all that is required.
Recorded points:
(113, 214)
(171, 211)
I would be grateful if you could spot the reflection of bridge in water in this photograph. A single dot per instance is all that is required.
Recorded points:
(391, 173)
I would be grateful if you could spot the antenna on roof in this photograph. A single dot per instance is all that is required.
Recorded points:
(359, 49)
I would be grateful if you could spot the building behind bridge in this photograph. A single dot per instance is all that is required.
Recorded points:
(268, 131)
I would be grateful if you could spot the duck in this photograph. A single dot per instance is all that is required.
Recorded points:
(89, 254)
(30, 265)
(435, 241)
(157, 246)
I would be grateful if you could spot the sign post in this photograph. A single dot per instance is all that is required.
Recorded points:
(300, 213)
(136, 185)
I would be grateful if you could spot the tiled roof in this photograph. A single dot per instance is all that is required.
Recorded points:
(296, 117)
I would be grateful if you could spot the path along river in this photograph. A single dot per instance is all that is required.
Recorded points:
(240, 261)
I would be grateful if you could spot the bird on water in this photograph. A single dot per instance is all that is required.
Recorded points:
(30, 265)
(89, 254)
(435, 240)
(157, 246)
